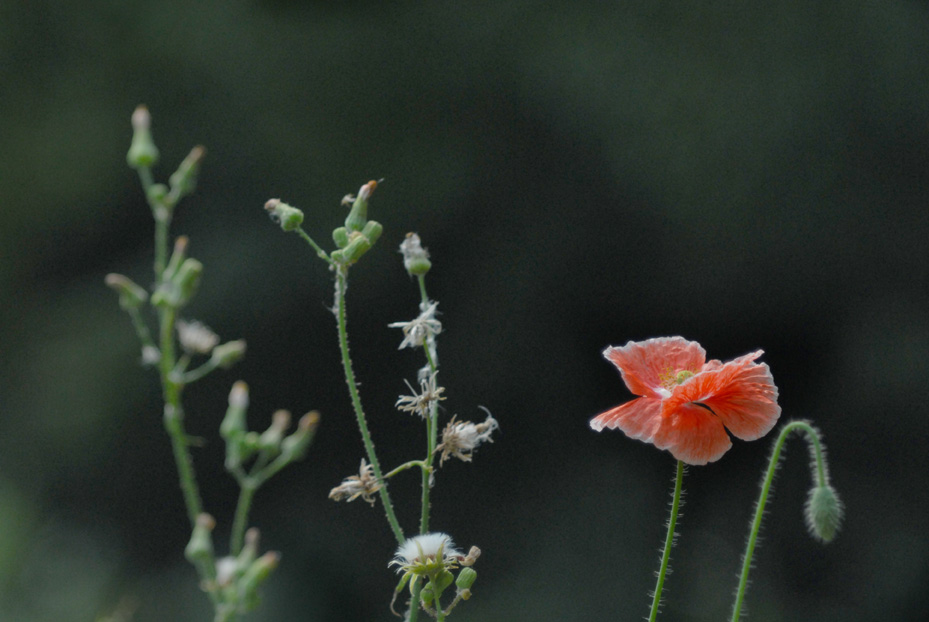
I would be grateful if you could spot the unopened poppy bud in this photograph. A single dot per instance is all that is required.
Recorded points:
(465, 580)
(359, 215)
(295, 446)
(270, 439)
(234, 422)
(187, 280)
(415, 257)
(340, 237)
(823, 513)
(287, 216)
(131, 296)
(228, 354)
(184, 179)
(200, 548)
(142, 152)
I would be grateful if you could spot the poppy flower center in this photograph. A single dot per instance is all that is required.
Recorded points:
(672, 378)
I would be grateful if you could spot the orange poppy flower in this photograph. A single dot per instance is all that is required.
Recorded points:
(686, 404)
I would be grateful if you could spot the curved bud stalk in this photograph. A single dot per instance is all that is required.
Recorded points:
(823, 513)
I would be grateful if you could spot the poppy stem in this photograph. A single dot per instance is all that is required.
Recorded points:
(669, 540)
(821, 479)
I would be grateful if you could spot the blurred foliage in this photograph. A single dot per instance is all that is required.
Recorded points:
(743, 174)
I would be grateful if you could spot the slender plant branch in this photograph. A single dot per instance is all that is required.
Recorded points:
(669, 540)
(340, 286)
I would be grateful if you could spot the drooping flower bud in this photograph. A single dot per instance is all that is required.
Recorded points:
(142, 152)
(823, 513)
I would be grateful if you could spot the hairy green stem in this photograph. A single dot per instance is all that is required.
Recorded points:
(669, 540)
(763, 498)
(340, 286)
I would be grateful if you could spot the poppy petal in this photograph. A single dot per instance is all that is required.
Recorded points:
(642, 364)
(741, 393)
(638, 419)
(693, 435)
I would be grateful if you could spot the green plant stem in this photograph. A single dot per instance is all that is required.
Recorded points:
(763, 498)
(669, 540)
(340, 286)
(431, 423)
(247, 489)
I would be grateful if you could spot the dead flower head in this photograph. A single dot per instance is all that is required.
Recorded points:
(461, 438)
(363, 485)
(419, 403)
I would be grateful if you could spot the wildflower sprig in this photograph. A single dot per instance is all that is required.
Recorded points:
(353, 240)
(179, 344)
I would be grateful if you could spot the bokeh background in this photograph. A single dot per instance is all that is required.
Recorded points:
(745, 174)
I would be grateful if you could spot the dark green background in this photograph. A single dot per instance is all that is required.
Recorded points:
(745, 174)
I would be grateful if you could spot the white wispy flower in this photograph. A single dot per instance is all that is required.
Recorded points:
(416, 332)
(421, 554)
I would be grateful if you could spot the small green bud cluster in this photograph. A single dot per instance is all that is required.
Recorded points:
(273, 448)
(359, 234)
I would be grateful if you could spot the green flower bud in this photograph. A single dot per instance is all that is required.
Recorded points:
(295, 446)
(178, 255)
(187, 280)
(233, 424)
(823, 513)
(184, 179)
(270, 440)
(442, 581)
(355, 249)
(288, 217)
(131, 296)
(199, 550)
(466, 579)
(426, 595)
(340, 237)
(257, 573)
(142, 152)
(415, 257)
(372, 230)
(228, 354)
(358, 217)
